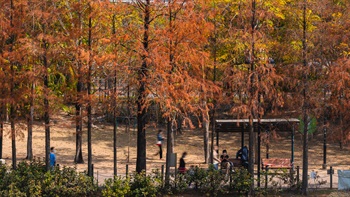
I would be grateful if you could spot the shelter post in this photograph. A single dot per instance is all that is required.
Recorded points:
(324, 147)
(212, 141)
(259, 154)
(292, 147)
(217, 138)
(267, 144)
(242, 135)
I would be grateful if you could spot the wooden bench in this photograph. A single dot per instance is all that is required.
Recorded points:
(237, 163)
(276, 163)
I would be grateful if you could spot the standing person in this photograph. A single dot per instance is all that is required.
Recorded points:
(160, 140)
(182, 167)
(52, 157)
(216, 159)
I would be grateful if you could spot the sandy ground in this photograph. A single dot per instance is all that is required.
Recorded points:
(63, 139)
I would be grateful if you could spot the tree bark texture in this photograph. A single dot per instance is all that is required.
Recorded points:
(89, 124)
(1, 127)
(46, 114)
(78, 127)
(251, 148)
(169, 151)
(30, 127)
(141, 108)
(252, 97)
(13, 134)
(141, 137)
(206, 136)
(305, 109)
(115, 171)
(1, 136)
(115, 126)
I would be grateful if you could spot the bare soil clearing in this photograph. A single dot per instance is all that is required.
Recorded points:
(63, 139)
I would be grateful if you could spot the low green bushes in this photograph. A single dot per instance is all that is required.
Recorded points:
(116, 187)
(241, 181)
(139, 185)
(206, 182)
(31, 179)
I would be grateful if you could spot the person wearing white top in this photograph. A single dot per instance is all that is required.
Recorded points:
(216, 159)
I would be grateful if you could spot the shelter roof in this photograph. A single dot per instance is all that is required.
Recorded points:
(239, 125)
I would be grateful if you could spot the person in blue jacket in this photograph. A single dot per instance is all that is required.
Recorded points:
(52, 157)
(243, 155)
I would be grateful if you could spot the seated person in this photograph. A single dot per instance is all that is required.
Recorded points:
(225, 162)
(182, 167)
(243, 155)
(224, 156)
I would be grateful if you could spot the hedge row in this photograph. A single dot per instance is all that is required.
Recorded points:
(31, 179)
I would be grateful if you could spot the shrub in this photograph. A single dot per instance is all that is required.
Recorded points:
(31, 179)
(177, 185)
(3, 171)
(144, 185)
(67, 182)
(13, 191)
(181, 183)
(19, 178)
(241, 181)
(211, 184)
(116, 187)
(198, 176)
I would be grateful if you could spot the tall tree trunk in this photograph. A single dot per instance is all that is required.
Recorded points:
(13, 134)
(142, 75)
(6, 113)
(1, 127)
(252, 97)
(78, 123)
(78, 109)
(89, 134)
(79, 134)
(251, 147)
(169, 150)
(115, 132)
(305, 108)
(30, 126)
(47, 111)
(341, 131)
(256, 147)
(129, 122)
(12, 120)
(1, 135)
(12, 107)
(212, 118)
(90, 172)
(141, 134)
(114, 110)
(206, 135)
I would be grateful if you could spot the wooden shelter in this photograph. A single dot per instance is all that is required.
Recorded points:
(262, 125)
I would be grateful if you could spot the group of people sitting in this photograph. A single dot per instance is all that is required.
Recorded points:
(224, 160)
(227, 164)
